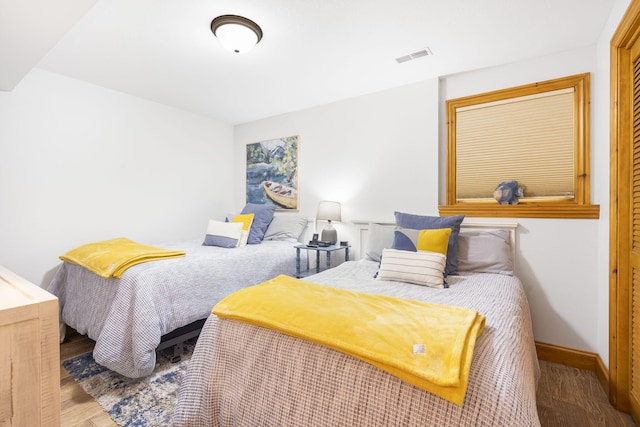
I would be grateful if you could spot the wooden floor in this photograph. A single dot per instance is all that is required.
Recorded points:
(572, 397)
(566, 397)
(78, 408)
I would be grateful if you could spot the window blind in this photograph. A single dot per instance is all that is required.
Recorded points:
(530, 139)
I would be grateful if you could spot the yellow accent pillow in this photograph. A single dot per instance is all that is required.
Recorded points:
(246, 220)
(435, 240)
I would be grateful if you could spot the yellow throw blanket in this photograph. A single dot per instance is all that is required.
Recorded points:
(110, 258)
(428, 345)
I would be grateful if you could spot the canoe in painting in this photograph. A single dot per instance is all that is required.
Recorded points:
(281, 194)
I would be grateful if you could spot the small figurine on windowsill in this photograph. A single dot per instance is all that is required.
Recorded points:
(507, 193)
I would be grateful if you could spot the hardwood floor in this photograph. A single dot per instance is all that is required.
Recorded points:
(574, 397)
(77, 407)
(566, 396)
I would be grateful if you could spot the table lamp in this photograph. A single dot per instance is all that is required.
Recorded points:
(329, 211)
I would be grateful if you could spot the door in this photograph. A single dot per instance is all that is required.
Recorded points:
(633, 293)
(624, 304)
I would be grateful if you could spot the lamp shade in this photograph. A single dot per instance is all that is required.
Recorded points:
(236, 33)
(329, 211)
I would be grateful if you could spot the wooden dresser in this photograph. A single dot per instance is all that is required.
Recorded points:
(29, 354)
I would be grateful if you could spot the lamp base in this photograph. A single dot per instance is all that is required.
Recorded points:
(329, 235)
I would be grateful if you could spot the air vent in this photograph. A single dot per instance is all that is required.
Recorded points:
(415, 55)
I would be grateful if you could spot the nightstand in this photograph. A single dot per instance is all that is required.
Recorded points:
(327, 250)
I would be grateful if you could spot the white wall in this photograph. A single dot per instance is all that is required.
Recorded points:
(374, 154)
(79, 163)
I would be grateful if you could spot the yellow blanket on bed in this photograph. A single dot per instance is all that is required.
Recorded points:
(110, 258)
(428, 345)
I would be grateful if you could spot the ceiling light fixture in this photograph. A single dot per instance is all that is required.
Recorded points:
(236, 33)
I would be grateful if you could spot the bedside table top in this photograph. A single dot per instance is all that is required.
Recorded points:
(318, 248)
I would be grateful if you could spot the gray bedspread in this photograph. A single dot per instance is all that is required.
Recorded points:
(244, 375)
(127, 316)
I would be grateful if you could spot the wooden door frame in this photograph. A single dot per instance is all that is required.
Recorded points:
(620, 208)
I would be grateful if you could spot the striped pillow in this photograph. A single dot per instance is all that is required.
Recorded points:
(421, 268)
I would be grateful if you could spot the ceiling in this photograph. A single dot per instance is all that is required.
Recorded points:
(313, 51)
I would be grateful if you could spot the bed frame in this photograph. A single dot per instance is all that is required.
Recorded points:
(177, 337)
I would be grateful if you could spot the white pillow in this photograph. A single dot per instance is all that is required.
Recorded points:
(421, 267)
(378, 238)
(285, 227)
(223, 234)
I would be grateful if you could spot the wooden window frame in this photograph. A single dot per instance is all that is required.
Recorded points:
(577, 207)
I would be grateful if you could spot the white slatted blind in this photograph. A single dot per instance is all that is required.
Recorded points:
(529, 139)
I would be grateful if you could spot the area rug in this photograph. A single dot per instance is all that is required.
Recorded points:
(139, 402)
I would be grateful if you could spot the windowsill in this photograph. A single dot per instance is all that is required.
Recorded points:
(522, 210)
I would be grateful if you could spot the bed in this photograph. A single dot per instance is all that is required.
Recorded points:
(156, 304)
(242, 374)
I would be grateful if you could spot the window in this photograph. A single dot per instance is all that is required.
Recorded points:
(537, 135)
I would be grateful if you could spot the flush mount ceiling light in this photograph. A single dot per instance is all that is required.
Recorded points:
(236, 33)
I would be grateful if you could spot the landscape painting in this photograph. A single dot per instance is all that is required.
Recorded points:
(272, 172)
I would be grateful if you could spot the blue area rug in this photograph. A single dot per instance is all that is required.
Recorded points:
(144, 402)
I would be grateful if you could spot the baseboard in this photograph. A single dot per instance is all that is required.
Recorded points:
(576, 359)
(603, 375)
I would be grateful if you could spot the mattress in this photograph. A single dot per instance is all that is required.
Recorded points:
(128, 316)
(244, 375)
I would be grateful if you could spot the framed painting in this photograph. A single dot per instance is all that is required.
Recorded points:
(272, 172)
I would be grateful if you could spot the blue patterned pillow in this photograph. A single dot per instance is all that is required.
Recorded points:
(420, 222)
(432, 240)
(405, 240)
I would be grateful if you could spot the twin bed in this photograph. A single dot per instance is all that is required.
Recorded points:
(246, 375)
(156, 304)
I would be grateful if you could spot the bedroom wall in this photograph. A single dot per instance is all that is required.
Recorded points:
(81, 163)
(383, 152)
(375, 153)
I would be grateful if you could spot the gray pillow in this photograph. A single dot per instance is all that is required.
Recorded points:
(379, 237)
(420, 222)
(286, 228)
(263, 214)
(485, 252)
